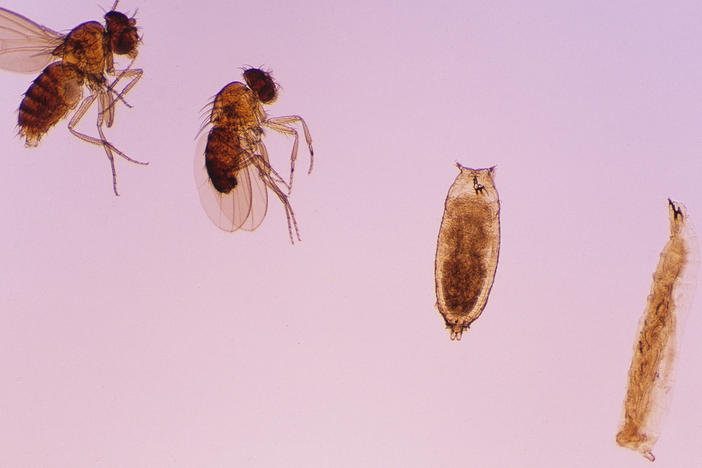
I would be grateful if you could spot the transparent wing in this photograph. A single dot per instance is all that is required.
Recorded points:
(259, 199)
(228, 211)
(25, 46)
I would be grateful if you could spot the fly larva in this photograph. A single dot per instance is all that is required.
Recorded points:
(650, 378)
(468, 248)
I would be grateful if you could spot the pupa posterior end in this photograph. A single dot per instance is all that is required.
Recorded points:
(456, 330)
(638, 442)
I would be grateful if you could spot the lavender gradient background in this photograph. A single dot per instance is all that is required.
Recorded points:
(134, 333)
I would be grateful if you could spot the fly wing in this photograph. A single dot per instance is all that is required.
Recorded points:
(25, 46)
(259, 199)
(229, 211)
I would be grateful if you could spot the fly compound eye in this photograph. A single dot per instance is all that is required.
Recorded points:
(262, 84)
(123, 33)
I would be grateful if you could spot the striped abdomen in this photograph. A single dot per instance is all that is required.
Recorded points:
(224, 158)
(56, 91)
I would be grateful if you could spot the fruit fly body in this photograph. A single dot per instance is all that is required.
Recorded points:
(232, 169)
(82, 58)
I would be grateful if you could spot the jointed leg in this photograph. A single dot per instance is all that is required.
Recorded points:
(257, 154)
(135, 74)
(271, 184)
(102, 141)
(263, 152)
(290, 216)
(282, 125)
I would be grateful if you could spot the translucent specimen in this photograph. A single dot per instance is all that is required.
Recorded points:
(232, 171)
(468, 248)
(650, 378)
(82, 58)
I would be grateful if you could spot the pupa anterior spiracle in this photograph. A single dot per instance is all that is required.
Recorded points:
(468, 248)
(650, 374)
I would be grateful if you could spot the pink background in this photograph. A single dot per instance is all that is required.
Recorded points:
(134, 333)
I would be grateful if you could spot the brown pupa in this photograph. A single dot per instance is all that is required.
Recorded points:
(468, 248)
(650, 374)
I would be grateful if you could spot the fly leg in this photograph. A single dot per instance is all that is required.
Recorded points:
(109, 147)
(102, 141)
(134, 75)
(264, 170)
(252, 145)
(262, 152)
(282, 125)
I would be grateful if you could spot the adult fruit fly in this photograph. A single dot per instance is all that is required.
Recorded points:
(232, 169)
(82, 58)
